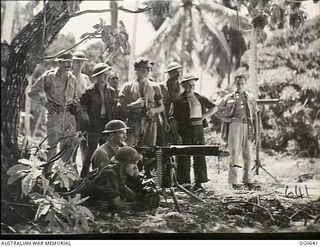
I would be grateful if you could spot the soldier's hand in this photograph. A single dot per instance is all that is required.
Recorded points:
(138, 103)
(167, 126)
(51, 108)
(227, 120)
(150, 113)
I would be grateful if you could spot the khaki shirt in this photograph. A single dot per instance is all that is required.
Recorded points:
(50, 87)
(227, 108)
(102, 156)
(130, 93)
(83, 83)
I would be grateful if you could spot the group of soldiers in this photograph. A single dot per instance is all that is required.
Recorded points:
(142, 113)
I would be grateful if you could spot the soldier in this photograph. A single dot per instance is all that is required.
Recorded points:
(83, 80)
(116, 130)
(191, 111)
(109, 183)
(98, 105)
(170, 90)
(142, 100)
(240, 128)
(56, 91)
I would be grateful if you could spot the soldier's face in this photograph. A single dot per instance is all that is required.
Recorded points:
(240, 84)
(144, 71)
(189, 86)
(114, 81)
(77, 64)
(131, 169)
(120, 137)
(67, 65)
(175, 74)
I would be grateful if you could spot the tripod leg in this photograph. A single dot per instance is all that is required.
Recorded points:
(193, 196)
(176, 203)
(174, 179)
(270, 175)
(164, 194)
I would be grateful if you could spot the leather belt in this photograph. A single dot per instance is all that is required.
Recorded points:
(196, 122)
(61, 108)
(240, 121)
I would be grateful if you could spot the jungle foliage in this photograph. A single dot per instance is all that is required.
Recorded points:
(289, 69)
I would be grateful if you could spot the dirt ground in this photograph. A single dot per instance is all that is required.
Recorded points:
(274, 208)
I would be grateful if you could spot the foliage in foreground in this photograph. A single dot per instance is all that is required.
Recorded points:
(55, 214)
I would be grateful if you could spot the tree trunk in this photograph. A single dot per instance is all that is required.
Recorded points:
(26, 50)
(253, 64)
(114, 13)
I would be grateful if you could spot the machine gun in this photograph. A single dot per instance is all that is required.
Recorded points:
(162, 160)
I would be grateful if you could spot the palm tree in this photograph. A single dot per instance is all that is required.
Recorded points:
(195, 31)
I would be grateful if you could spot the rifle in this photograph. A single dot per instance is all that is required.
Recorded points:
(164, 159)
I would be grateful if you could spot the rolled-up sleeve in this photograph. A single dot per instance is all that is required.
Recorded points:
(37, 92)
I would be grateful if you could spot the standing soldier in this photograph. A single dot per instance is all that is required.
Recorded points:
(97, 103)
(240, 128)
(114, 83)
(142, 101)
(170, 90)
(83, 80)
(56, 91)
(191, 111)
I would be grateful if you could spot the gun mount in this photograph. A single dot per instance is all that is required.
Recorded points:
(162, 161)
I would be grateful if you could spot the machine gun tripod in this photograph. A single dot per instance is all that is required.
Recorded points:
(165, 165)
(257, 164)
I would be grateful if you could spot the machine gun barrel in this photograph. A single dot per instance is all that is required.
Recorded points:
(186, 150)
(268, 101)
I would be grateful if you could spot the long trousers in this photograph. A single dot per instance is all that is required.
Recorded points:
(142, 132)
(238, 142)
(94, 135)
(59, 125)
(192, 135)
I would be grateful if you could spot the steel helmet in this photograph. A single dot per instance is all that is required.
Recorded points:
(188, 77)
(99, 68)
(172, 66)
(79, 55)
(114, 126)
(126, 155)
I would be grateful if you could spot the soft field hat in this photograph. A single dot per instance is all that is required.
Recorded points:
(188, 77)
(79, 55)
(143, 60)
(100, 68)
(172, 66)
(65, 56)
(240, 74)
(126, 155)
(114, 126)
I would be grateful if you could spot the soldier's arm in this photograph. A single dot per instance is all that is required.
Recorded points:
(221, 107)
(123, 100)
(212, 108)
(158, 98)
(37, 93)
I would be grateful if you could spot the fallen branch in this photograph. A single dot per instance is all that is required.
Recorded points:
(258, 206)
(300, 211)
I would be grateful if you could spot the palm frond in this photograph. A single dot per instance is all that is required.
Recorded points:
(220, 14)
